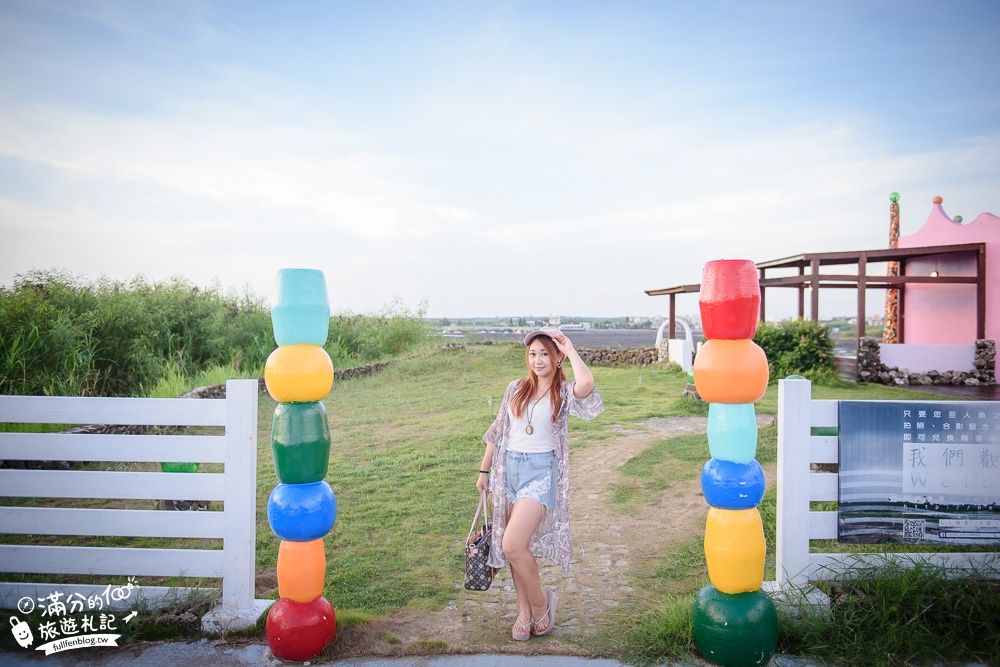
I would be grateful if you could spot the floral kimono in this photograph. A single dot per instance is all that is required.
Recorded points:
(552, 538)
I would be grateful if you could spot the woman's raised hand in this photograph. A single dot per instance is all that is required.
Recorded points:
(584, 378)
(562, 341)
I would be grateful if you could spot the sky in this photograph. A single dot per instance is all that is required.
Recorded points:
(485, 158)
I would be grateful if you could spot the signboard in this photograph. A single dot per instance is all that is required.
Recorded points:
(919, 472)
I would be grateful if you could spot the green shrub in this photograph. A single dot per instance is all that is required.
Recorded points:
(63, 336)
(797, 347)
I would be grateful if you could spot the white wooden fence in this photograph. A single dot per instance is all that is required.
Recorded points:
(796, 566)
(236, 487)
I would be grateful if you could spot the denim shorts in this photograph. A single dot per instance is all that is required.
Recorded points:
(532, 476)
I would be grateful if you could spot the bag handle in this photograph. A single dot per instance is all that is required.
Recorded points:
(484, 508)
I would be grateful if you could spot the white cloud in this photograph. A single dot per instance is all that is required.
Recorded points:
(293, 172)
(469, 171)
(647, 213)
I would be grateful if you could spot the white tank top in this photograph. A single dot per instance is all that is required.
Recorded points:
(540, 439)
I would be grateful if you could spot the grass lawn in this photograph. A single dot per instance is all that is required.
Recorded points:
(406, 444)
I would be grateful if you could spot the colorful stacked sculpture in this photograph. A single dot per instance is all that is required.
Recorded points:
(302, 507)
(734, 622)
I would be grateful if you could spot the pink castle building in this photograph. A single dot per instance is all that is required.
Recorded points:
(945, 314)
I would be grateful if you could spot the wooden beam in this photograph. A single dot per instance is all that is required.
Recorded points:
(862, 269)
(901, 324)
(802, 294)
(679, 289)
(880, 282)
(879, 255)
(760, 273)
(673, 319)
(981, 294)
(814, 297)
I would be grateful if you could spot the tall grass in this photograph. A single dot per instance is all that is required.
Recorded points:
(892, 615)
(359, 339)
(61, 335)
(174, 382)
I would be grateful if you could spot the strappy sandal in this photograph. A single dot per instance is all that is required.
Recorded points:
(550, 613)
(523, 634)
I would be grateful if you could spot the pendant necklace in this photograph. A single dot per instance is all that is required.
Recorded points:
(531, 408)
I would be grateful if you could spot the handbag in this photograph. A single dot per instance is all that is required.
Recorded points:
(478, 574)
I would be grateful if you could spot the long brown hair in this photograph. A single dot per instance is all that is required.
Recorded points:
(526, 390)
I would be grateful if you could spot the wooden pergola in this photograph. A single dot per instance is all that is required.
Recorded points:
(814, 280)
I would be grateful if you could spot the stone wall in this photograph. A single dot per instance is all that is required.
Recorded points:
(339, 375)
(872, 370)
(633, 356)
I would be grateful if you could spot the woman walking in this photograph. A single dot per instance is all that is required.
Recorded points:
(526, 465)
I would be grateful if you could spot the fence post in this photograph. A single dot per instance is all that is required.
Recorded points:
(239, 609)
(792, 535)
